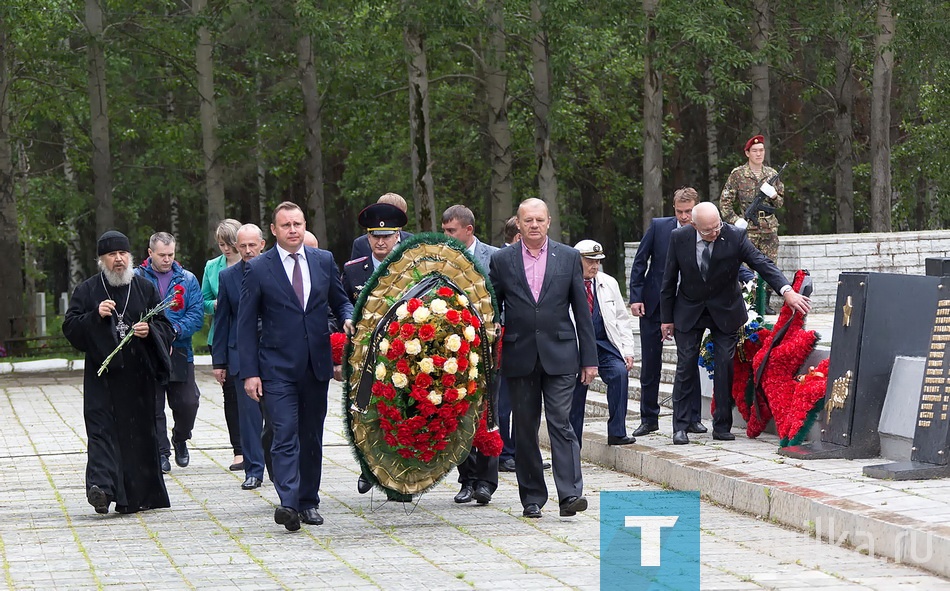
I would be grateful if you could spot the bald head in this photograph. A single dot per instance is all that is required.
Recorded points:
(706, 220)
(309, 239)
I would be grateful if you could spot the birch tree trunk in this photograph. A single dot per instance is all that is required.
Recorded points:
(214, 177)
(99, 118)
(423, 193)
(652, 124)
(759, 72)
(11, 271)
(499, 134)
(313, 138)
(541, 103)
(881, 119)
(844, 133)
(712, 139)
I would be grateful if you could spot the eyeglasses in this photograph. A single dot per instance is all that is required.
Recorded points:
(710, 232)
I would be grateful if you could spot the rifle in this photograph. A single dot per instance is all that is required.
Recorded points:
(759, 205)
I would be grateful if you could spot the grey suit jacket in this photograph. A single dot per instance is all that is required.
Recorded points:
(483, 254)
(543, 329)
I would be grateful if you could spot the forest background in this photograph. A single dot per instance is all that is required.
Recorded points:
(148, 115)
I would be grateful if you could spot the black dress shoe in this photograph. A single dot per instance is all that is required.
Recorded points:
(724, 436)
(98, 499)
(236, 466)
(696, 427)
(166, 465)
(287, 517)
(465, 495)
(680, 438)
(311, 516)
(545, 465)
(532, 511)
(482, 494)
(625, 440)
(507, 465)
(571, 506)
(251, 483)
(363, 485)
(645, 428)
(181, 453)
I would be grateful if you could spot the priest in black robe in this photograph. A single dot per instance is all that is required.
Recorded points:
(123, 463)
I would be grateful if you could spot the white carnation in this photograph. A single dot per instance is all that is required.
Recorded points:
(413, 347)
(469, 333)
(434, 397)
(453, 342)
(473, 372)
(473, 358)
(421, 314)
(402, 312)
(451, 365)
(384, 346)
(439, 307)
(427, 365)
(400, 380)
(380, 371)
(462, 300)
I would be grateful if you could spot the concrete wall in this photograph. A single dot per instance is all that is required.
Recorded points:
(827, 256)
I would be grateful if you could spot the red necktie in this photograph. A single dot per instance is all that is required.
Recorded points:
(298, 278)
(590, 294)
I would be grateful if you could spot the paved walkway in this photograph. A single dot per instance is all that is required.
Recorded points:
(217, 536)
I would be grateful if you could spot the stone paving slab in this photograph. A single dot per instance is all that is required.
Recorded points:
(217, 536)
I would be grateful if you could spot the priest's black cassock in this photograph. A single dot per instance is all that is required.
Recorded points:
(119, 406)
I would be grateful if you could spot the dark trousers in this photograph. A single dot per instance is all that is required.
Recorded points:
(232, 412)
(477, 469)
(183, 400)
(651, 352)
(686, 389)
(613, 371)
(555, 392)
(505, 426)
(252, 421)
(297, 411)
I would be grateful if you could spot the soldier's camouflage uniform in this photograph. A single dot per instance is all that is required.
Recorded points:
(742, 185)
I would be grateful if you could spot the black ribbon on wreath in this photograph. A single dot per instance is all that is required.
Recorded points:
(806, 289)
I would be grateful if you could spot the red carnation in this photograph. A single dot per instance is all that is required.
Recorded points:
(448, 380)
(413, 304)
(390, 440)
(423, 380)
(396, 349)
(445, 292)
(337, 343)
(477, 341)
(463, 349)
(407, 331)
(463, 363)
(453, 316)
(451, 394)
(438, 360)
(426, 332)
(476, 322)
(393, 329)
(406, 453)
(467, 316)
(427, 455)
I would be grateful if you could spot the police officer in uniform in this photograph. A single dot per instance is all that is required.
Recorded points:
(382, 222)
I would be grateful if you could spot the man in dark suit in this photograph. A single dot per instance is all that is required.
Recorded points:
(478, 473)
(225, 358)
(290, 288)
(537, 282)
(701, 291)
(361, 246)
(646, 276)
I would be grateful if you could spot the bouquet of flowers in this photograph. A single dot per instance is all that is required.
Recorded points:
(748, 333)
(426, 368)
(175, 300)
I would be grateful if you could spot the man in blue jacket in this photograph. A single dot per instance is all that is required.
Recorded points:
(182, 391)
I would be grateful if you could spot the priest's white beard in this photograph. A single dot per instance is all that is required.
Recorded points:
(118, 279)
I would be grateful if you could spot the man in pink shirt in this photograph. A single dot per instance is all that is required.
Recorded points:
(538, 282)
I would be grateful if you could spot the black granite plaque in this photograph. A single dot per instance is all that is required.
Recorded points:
(930, 449)
(877, 317)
